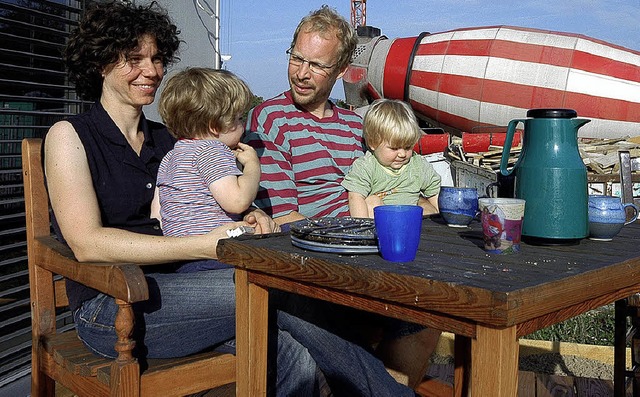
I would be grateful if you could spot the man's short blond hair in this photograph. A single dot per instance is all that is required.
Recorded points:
(198, 99)
(327, 21)
(391, 121)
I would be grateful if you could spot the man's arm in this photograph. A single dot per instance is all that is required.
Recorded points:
(290, 217)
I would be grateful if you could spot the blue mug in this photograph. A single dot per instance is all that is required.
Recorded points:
(458, 205)
(607, 216)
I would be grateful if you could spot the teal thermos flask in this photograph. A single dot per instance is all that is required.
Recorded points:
(551, 176)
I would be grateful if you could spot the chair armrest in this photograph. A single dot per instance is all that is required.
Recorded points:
(123, 281)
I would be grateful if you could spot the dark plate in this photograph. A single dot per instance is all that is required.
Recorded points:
(333, 247)
(343, 231)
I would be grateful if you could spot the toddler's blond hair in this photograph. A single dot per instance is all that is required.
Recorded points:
(391, 121)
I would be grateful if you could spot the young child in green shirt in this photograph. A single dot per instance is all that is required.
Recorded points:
(389, 173)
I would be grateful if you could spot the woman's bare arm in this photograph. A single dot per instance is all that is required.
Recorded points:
(75, 204)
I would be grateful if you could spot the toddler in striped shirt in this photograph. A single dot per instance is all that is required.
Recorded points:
(200, 185)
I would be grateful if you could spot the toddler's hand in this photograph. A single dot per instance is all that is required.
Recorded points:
(246, 154)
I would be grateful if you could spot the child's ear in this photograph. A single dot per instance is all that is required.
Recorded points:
(213, 131)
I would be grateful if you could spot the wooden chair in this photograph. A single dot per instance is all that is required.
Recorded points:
(61, 357)
(626, 310)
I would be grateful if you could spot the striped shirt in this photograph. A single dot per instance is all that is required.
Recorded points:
(187, 206)
(303, 158)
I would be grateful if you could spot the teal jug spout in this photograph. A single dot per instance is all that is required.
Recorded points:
(550, 176)
(577, 123)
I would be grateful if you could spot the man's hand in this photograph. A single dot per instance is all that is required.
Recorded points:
(261, 222)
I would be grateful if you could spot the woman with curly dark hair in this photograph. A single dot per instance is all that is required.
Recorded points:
(110, 31)
(101, 168)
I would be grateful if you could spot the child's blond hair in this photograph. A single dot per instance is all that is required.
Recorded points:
(198, 99)
(391, 121)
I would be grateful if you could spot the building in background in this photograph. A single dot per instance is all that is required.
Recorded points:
(34, 94)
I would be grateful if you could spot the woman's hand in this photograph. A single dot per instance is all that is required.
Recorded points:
(262, 222)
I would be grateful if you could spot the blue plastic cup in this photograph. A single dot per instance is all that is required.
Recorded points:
(398, 228)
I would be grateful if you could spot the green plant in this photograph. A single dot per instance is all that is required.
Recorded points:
(595, 327)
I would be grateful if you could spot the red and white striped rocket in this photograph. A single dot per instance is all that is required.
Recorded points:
(477, 77)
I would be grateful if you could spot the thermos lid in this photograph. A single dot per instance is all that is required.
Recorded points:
(552, 113)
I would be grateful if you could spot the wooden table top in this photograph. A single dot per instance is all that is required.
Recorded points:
(453, 276)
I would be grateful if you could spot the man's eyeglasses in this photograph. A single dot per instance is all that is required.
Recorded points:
(315, 67)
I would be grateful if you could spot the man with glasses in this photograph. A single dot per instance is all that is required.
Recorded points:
(306, 145)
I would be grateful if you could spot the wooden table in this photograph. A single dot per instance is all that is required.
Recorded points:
(488, 301)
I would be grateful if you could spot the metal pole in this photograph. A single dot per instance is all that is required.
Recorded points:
(217, 61)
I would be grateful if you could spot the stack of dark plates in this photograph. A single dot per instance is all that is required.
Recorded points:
(345, 235)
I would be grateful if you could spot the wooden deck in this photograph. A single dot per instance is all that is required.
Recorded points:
(531, 384)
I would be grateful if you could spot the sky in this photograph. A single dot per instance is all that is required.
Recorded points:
(256, 33)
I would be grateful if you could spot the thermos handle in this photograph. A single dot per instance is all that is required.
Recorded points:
(635, 212)
(506, 151)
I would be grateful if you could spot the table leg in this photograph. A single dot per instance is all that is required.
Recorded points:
(494, 362)
(252, 303)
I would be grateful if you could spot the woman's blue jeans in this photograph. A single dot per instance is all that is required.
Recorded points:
(185, 313)
(191, 312)
(188, 313)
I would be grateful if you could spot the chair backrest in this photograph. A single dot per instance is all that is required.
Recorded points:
(628, 165)
(38, 224)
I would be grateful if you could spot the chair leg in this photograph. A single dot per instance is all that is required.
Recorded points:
(41, 384)
(632, 311)
(620, 349)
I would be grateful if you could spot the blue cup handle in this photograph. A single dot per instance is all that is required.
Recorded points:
(635, 212)
(487, 190)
